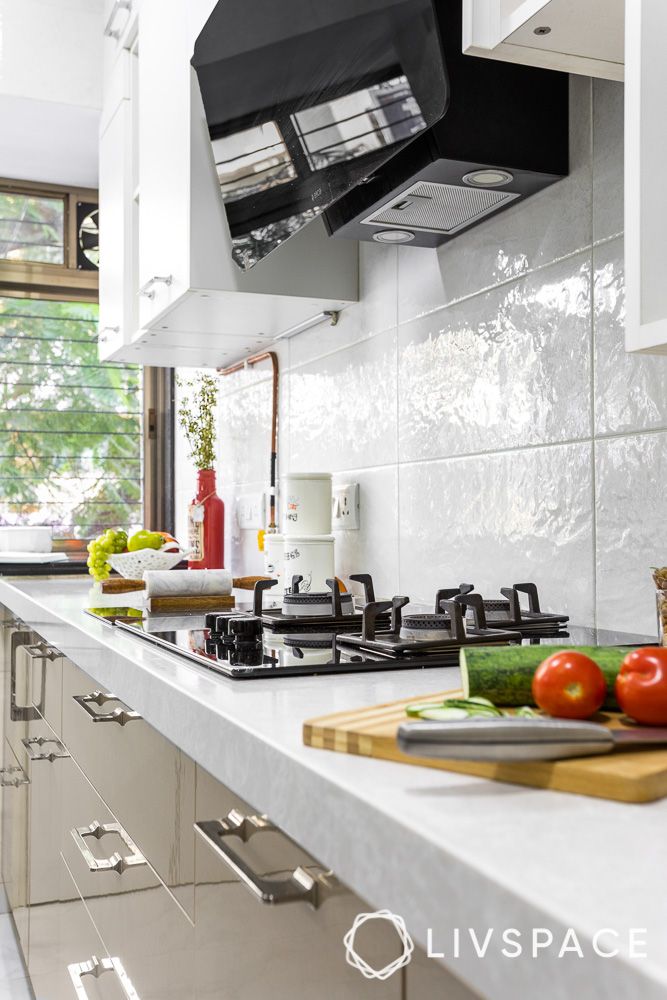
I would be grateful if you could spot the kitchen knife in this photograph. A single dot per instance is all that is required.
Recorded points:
(511, 739)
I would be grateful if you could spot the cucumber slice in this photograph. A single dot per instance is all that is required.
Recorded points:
(418, 707)
(444, 714)
(480, 701)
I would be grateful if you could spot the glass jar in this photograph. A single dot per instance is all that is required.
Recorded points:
(661, 608)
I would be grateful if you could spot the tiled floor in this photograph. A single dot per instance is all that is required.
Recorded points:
(13, 982)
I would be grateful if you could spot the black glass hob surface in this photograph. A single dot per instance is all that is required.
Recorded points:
(254, 651)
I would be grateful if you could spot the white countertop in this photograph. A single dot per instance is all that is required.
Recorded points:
(443, 850)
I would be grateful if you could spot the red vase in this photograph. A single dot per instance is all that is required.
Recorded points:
(206, 525)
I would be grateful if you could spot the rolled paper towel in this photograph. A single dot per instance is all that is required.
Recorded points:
(187, 582)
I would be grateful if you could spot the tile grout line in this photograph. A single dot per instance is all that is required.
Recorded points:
(593, 376)
(613, 436)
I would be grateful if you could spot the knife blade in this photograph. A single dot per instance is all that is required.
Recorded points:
(516, 739)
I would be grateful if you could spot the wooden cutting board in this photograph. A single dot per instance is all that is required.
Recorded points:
(632, 776)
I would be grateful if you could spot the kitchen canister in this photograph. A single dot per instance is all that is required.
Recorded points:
(311, 557)
(306, 503)
(274, 557)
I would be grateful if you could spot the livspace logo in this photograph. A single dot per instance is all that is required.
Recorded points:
(509, 942)
(355, 959)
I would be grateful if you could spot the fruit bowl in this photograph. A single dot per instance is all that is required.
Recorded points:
(131, 565)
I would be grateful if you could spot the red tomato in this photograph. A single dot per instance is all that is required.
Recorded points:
(569, 685)
(641, 686)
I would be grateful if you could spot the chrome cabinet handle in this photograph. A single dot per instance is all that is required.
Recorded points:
(109, 30)
(116, 863)
(121, 715)
(12, 777)
(97, 967)
(13, 623)
(102, 334)
(299, 887)
(40, 651)
(24, 713)
(40, 741)
(148, 289)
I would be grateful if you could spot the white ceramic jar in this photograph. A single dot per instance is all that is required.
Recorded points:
(306, 503)
(309, 556)
(274, 557)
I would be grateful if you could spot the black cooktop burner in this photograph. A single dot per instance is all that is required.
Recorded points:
(304, 612)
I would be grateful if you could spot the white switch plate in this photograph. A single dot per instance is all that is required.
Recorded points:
(345, 506)
(250, 510)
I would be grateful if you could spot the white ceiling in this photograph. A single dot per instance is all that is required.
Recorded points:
(50, 90)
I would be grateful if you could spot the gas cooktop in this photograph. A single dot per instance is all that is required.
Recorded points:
(251, 641)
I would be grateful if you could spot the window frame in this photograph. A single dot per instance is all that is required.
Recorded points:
(36, 279)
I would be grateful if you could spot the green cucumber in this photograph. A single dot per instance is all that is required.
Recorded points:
(504, 674)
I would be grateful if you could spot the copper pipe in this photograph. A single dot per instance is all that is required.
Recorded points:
(239, 366)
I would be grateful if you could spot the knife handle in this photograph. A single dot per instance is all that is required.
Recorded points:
(508, 739)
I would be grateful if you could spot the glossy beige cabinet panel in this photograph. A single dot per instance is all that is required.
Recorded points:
(247, 948)
(144, 779)
(425, 979)
(136, 916)
(72, 942)
(14, 782)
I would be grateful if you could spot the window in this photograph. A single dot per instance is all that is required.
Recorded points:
(71, 428)
(32, 228)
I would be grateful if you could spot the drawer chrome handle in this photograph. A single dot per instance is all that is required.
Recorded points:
(40, 741)
(116, 863)
(6, 781)
(109, 30)
(24, 713)
(102, 334)
(122, 715)
(148, 291)
(97, 967)
(299, 887)
(40, 651)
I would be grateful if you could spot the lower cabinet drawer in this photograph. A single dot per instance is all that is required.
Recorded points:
(295, 948)
(14, 839)
(145, 780)
(137, 918)
(77, 966)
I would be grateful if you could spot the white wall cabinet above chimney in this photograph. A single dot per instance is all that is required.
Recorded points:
(576, 36)
(195, 306)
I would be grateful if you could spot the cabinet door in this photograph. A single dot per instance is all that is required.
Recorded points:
(137, 918)
(164, 156)
(426, 979)
(247, 944)
(120, 26)
(117, 312)
(147, 782)
(14, 782)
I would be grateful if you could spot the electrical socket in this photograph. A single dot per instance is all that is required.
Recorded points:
(250, 510)
(345, 506)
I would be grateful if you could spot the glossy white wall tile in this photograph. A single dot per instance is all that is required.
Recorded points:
(607, 159)
(495, 520)
(468, 391)
(631, 514)
(507, 368)
(342, 412)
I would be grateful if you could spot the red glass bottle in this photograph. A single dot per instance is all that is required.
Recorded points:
(206, 525)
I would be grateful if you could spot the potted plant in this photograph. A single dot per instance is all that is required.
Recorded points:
(206, 513)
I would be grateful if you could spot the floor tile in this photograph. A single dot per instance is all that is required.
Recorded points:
(17, 989)
(11, 964)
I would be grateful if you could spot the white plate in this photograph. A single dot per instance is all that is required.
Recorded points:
(33, 557)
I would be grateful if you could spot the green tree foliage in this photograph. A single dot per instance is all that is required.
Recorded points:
(70, 427)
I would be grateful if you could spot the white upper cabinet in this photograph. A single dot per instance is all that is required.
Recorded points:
(196, 307)
(576, 36)
(645, 188)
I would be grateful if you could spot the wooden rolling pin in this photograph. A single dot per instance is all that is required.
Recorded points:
(119, 585)
(195, 602)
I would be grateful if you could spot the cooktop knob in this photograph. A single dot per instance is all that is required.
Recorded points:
(222, 625)
(247, 629)
(210, 622)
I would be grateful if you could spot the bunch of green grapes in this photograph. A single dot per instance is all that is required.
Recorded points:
(101, 548)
